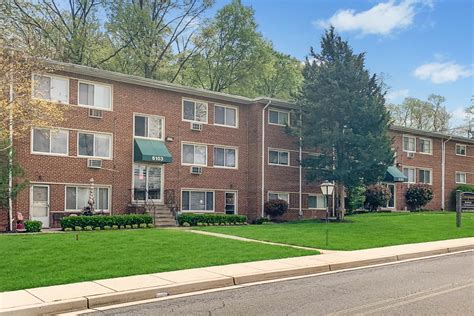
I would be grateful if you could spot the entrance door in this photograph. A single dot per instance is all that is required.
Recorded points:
(230, 203)
(39, 208)
(391, 202)
(148, 183)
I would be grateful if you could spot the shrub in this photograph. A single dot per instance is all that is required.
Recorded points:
(377, 196)
(123, 227)
(135, 226)
(33, 226)
(260, 221)
(107, 227)
(78, 228)
(276, 208)
(95, 228)
(68, 229)
(209, 219)
(355, 198)
(418, 195)
(115, 227)
(104, 220)
(88, 228)
(142, 225)
(128, 226)
(150, 225)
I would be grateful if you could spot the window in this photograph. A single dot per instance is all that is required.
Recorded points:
(197, 201)
(461, 150)
(424, 176)
(94, 145)
(409, 143)
(225, 115)
(147, 182)
(316, 201)
(278, 117)
(279, 196)
(225, 157)
(461, 177)
(276, 157)
(149, 126)
(426, 146)
(230, 203)
(194, 111)
(194, 154)
(48, 141)
(77, 198)
(51, 88)
(410, 174)
(95, 95)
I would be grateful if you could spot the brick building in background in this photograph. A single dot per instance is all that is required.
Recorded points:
(155, 145)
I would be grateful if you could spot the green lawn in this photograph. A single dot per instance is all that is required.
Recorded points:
(360, 231)
(48, 259)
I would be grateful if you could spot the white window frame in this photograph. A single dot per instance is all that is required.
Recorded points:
(456, 150)
(459, 173)
(431, 146)
(205, 203)
(425, 169)
(279, 151)
(279, 112)
(32, 151)
(110, 157)
(94, 83)
(162, 193)
(414, 144)
(76, 186)
(236, 149)
(279, 193)
(67, 79)
(195, 101)
(148, 125)
(225, 116)
(193, 164)
(316, 196)
(414, 173)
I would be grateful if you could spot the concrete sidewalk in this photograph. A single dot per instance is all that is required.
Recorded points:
(93, 294)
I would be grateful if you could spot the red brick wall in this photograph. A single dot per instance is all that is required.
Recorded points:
(58, 171)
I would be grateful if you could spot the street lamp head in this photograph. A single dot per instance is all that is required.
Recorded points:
(327, 188)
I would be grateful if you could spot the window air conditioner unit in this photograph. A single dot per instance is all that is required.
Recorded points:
(94, 163)
(196, 127)
(411, 155)
(96, 113)
(196, 170)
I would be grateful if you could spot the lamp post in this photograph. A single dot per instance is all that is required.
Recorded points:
(327, 188)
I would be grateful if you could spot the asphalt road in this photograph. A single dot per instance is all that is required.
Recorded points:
(437, 286)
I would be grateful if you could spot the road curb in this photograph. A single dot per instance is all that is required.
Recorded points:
(91, 302)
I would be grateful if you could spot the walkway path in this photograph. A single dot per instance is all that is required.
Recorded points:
(202, 232)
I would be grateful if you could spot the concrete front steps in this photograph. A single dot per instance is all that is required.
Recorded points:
(162, 215)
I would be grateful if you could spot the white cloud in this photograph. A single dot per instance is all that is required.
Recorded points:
(381, 19)
(396, 95)
(441, 72)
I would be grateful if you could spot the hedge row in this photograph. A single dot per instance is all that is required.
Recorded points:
(195, 219)
(102, 221)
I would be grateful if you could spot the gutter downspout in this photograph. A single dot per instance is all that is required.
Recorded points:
(300, 171)
(263, 158)
(443, 171)
(10, 153)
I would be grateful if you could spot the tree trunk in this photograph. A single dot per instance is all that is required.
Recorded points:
(342, 205)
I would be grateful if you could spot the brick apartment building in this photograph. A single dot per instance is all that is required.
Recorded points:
(158, 145)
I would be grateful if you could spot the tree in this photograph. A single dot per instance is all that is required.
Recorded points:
(377, 196)
(16, 69)
(232, 49)
(69, 32)
(344, 117)
(281, 77)
(430, 115)
(159, 37)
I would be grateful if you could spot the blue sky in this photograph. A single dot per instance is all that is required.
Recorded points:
(420, 46)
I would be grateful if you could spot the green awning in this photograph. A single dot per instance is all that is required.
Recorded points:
(150, 150)
(394, 175)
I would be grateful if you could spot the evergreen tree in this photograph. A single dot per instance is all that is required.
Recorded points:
(343, 116)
